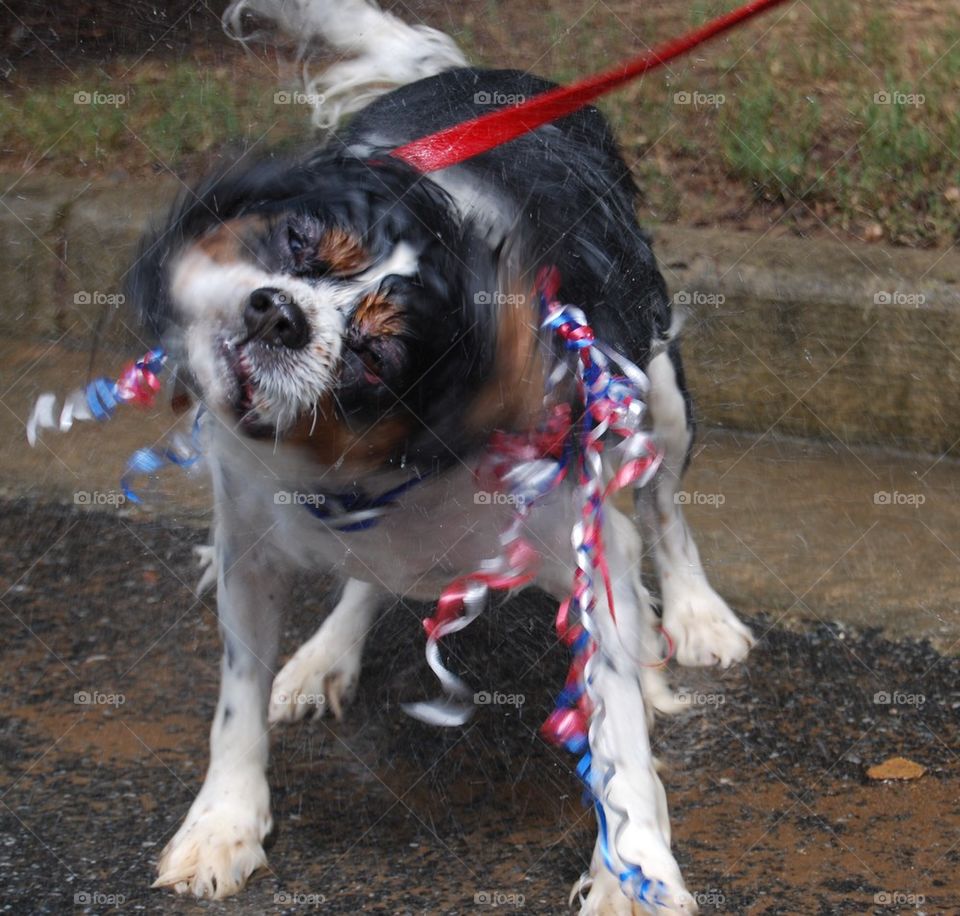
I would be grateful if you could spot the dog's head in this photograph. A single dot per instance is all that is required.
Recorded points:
(335, 300)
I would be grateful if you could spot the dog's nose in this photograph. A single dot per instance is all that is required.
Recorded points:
(273, 317)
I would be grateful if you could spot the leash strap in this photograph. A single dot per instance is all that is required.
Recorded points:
(463, 141)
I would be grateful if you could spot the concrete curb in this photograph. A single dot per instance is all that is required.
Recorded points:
(829, 339)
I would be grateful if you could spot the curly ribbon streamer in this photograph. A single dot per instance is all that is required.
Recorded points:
(138, 384)
(528, 466)
(612, 404)
(181, 452)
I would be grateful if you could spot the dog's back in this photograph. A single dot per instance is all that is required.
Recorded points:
(566, 183)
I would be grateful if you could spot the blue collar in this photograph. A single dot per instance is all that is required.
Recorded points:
(354, 510)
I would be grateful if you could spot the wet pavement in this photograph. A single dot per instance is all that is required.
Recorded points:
(810, 532)
(109, 683)
(845, 558)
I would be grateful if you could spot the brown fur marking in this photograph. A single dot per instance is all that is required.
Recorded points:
(329, 440)
(512, 398)
(231, 241)
(342, 252)
(378, 316)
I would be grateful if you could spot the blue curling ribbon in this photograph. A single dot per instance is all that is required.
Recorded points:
(632, 877)
(102, 398)
(147, 461)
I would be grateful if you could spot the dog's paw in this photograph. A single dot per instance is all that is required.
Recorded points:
(219, 845)
(657, 694)
(605, 897)
(321, 675)
(703, 628)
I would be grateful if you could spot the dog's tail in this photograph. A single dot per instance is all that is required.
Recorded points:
(378, 51)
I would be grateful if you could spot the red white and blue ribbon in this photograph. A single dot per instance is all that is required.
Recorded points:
(612, 404)
(139, 384)
(528, 466)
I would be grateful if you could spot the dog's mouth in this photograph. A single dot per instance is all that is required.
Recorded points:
(242, 392)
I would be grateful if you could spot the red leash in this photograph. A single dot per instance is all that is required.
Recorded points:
(478, 135)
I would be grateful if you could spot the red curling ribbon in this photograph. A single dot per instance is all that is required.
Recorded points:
(138, 385)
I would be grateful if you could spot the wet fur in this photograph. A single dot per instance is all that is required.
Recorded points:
(424, 339)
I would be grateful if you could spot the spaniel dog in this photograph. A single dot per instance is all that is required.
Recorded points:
(355, 332)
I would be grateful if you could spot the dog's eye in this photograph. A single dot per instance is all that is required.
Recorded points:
(295, 242)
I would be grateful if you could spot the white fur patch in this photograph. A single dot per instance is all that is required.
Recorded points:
(220, 844)
(704, 629)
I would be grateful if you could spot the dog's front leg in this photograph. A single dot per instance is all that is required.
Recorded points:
(324, 672)
(623, 685)
(219, 844)
(635, 819)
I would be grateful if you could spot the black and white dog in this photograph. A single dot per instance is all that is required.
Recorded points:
(352, 326)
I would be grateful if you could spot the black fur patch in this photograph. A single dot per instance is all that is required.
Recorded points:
(573, 200)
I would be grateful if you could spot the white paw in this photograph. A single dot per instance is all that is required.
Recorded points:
(703, 629)
(321, 675)
(657, 694)
(606, 898)
(219, 845)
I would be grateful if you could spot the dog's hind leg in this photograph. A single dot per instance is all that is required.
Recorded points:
(703, 628)
(324, 671)
(626, 685)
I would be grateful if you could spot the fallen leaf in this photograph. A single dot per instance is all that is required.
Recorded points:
(896, 768)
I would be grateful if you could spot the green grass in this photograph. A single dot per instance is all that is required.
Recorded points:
(770, 150)
(798, 128)
(146, 118)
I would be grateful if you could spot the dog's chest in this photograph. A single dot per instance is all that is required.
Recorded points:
(414, 544)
